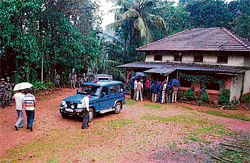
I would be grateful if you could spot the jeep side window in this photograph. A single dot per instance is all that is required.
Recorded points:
(112, 90)
(120, 88)
(105, 91)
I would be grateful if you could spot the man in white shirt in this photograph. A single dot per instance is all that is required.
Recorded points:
(29, 104)
(85, 103)
(139, 89)
(135, 88)
(19, 99)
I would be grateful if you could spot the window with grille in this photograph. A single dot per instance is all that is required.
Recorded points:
(222, 59)
(178, 58)
(158, 57)
(198, 58)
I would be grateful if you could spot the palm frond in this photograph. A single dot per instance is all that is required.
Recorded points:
(157, 20)
(115, 24)
(130, 13)
(140, 26)
(115, 10)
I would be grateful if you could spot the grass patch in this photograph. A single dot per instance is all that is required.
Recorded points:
(228, 115)
(188, 108)
(193, 138)
(196, 127)
(130, 102)
(153, 106)
(117, 124)
(175, 119)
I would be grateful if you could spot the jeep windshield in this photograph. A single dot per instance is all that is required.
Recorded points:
(94, 90)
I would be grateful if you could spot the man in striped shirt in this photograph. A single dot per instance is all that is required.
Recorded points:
(29, 104)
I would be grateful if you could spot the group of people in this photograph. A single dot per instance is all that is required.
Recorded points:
(74, 79)
(164, 92)
(161, 91)
(24, 102)
(5, 92)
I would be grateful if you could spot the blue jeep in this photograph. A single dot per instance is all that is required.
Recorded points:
(106, 96)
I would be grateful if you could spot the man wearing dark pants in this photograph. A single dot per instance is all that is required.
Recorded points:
(29, 104)
(85, 104)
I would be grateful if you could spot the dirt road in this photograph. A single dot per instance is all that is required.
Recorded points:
(141, 132)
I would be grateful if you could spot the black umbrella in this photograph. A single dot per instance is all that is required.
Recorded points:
(174, 82)
(138, 75)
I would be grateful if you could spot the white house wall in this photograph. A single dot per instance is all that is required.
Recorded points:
(246, 88)
(236, 86)
(247, 61)
(234, 60)
(211, 59)
(167, 58)
(149, 58)
(187, 58)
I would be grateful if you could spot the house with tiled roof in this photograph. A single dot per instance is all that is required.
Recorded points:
(215, 52)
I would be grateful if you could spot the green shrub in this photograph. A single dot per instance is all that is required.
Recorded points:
(203, 97)
(180, 95)
(39, 86)
(50, 84)
(224, 96)
(246, 97)
(189, 94)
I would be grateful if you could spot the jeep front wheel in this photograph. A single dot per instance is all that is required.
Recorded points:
(91, 114)
(64, 115)
(118, 107)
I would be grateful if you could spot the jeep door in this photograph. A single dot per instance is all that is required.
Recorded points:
(120, 92)
(113, 96)
(104, 101)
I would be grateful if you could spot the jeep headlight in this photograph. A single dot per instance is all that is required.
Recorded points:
(64, 103)
(79, 105)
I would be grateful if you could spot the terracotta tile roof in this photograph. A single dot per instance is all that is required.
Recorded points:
(164, 67)
(202, 39)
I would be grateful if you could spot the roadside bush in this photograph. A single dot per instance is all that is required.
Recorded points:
(246, 98)
(180, 95)
(189, 94)
(39, 86)
(203, 97)
(224, 96)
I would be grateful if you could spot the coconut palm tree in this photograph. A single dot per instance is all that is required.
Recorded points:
(140, 12)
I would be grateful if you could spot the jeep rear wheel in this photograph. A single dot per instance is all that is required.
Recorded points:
(118, 107)
(91, 114)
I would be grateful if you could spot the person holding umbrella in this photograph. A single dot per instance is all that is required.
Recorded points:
(19, 100)
(175, 86)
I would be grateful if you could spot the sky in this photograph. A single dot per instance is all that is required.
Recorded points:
(109, 17)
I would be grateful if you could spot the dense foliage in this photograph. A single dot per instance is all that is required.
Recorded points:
(66, 34)
(224, 96)
(62, 33)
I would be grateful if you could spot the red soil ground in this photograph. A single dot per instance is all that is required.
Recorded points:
(47, 118)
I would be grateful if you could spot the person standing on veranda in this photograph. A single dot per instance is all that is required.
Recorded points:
(19, 100)
(132, 89)
(154, 91)
(29, 105)
(139, 91)
(147, 85)
(163, 93)
(174, 93)
(135, 88)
